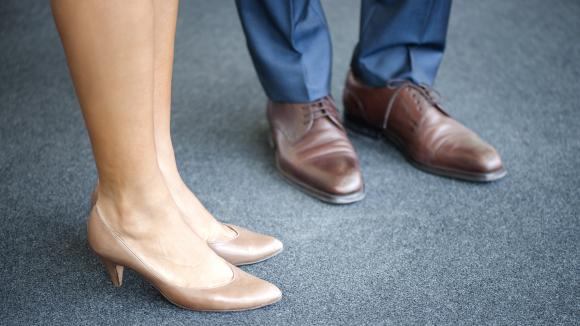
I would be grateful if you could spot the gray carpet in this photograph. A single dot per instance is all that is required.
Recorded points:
(419, 249)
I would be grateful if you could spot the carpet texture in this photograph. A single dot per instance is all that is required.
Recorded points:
(419, 249)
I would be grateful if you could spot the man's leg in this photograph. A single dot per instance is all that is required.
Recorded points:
(388, 90)
(400, 39)
(290, 46)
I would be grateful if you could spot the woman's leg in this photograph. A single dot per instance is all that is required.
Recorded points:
(196, 215)
(110, 48)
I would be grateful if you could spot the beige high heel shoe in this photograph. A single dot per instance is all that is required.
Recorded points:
(242, 292)
(246, 248)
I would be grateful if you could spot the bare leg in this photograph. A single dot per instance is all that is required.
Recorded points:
(196, 215)
(110, 48)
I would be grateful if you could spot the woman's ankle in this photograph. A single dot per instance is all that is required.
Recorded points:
(125, 205)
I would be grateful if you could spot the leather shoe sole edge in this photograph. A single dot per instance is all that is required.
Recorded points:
(261, 259)
(319, 194)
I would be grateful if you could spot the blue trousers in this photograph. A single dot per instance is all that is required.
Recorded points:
(290, 44)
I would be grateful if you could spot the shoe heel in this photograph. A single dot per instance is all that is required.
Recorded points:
(359, 127)
(114, 271)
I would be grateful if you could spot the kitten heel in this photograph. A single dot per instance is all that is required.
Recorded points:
(114, 271)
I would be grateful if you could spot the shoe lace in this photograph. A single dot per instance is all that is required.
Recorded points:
(427, 92)
(320, 109)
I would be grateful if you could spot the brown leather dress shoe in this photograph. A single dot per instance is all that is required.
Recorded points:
(313, 151)
(410, 117)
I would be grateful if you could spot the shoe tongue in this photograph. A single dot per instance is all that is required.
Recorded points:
(327, 121)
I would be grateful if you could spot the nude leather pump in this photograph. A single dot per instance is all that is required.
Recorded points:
(242, 292)
(246, 248)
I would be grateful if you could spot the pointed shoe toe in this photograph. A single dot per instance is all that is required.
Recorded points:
(243, 292)
(470, 158)
(247, 247)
